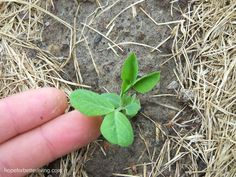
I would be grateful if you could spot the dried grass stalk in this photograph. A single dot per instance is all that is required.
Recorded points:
(23, 65)
(204, 49)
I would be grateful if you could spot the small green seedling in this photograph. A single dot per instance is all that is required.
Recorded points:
(117, 110)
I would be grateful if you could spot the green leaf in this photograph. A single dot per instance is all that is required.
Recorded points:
(112, 98)
(125, 86)
(129, 72)
(132, 109)
(117, 129)
(131, 105)
(147, 82)
(90, 103)
(127, 99)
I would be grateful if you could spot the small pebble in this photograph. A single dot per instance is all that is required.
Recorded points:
(186, 94)
(54, 49)
(174, 85)
(47, 24)
(97, 39)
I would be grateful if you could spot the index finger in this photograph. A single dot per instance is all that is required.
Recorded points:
(27, 110)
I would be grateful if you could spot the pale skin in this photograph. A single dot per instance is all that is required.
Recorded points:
(35, 130)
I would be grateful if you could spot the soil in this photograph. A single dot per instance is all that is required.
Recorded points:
(127, 28)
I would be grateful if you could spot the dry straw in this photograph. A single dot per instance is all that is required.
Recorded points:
(204, 49)
(24, 65)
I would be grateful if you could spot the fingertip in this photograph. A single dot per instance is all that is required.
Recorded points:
(79, 130)
(27, 110)
(56, 138)
(90, 126)
(59, 95)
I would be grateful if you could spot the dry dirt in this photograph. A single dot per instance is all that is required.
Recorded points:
(127, 28)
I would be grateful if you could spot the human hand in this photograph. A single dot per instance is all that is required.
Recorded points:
(34, 130)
